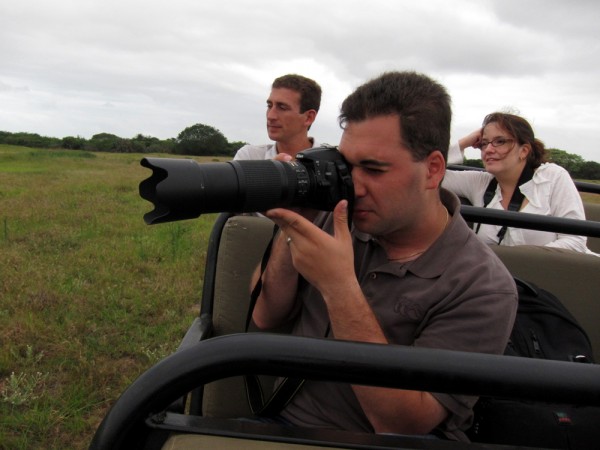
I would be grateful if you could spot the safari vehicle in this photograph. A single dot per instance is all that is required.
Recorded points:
(194, 398)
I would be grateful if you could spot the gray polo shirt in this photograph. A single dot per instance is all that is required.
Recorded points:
(457, 295)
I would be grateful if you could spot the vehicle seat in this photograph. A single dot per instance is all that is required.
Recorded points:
(573, 277)
(240, 249)
(592, 212)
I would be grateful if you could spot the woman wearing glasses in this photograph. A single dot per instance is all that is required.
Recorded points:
(517, 177)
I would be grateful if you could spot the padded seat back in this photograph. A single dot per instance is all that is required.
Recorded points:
(592, 212)
(573, 277)
(241, 247)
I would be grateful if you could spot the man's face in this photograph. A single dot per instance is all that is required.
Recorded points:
(284, 119)
(389, 185)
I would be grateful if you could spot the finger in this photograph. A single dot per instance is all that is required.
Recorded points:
(283, 157)
(340, 221)
(288, 221)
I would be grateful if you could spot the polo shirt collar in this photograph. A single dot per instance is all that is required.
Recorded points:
(438, 256)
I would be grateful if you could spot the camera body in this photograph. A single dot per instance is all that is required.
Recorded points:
(184, 189)
(329, 177)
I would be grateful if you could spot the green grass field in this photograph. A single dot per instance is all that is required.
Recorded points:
(590, 198)
(91, 296)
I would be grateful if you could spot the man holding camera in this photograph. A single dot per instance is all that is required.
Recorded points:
(292, 107)
(409, 272)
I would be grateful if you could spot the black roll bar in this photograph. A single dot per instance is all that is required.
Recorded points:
(490, 216)
(394, 366)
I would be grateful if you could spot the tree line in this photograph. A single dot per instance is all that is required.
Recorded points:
(197, 140)
(204, 140)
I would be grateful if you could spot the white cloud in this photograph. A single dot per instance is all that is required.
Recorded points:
(81, 67)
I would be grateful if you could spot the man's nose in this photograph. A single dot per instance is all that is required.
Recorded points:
(359, 189)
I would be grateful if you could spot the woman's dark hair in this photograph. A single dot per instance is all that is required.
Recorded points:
(519, 129)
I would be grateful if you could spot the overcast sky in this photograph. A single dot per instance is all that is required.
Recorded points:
(82, 67)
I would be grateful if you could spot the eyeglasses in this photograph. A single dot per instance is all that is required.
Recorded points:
(496, 142)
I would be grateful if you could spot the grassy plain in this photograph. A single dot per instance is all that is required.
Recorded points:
(590, 198)
(90, 295)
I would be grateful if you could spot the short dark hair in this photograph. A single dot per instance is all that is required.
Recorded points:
(521, 130)
(422, 104)
(310, 91)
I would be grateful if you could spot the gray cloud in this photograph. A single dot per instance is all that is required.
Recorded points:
(73, 67)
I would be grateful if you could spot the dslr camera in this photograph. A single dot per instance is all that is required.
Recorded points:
(184, 189)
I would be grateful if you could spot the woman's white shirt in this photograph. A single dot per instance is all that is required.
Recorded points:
(551, 192)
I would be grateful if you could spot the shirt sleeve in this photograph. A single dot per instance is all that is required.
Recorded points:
(566, 202)
(243, 153)
(455, 156)
(469, 184)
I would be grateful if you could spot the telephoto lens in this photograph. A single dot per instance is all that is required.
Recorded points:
(184, 189)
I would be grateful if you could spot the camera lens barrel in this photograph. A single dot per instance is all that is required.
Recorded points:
(269, 184)
(184, 189)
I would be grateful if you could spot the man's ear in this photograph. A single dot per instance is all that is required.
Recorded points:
(311, 116)
(436, 169)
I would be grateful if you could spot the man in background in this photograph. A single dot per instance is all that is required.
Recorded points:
(292, 107)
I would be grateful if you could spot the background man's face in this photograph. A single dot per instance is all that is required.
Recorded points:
(284, 119)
